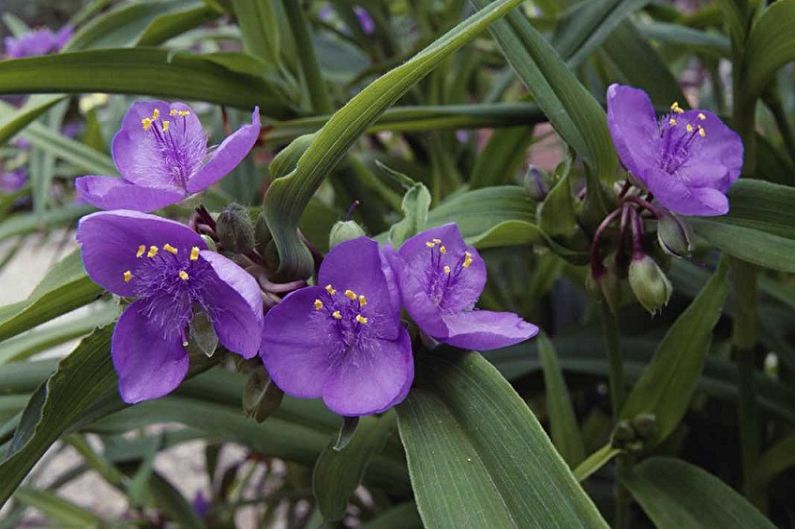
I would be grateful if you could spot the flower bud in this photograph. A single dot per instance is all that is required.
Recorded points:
(344, 230)
(262, 234)
(536, 183)
(622, 434)
(649, 283)
(261, 397)
(674, 235)
(209, 242)
(234, 229)
(645, 425)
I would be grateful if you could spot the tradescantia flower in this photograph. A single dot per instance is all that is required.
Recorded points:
(441, 279)
(342, 341)
(38, 42)
(161, 154)
(687, 159)
(165, 265)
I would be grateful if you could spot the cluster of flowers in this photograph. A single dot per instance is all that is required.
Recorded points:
(342, 340)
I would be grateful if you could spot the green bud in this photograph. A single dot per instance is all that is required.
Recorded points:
(202, 334)
(623, 433)
(674, 235)
(261, 397)
(537, 183)
(209, 242)
(234, 229)
(344, 230)
(645, 424)
(649, 283)
(262, 234)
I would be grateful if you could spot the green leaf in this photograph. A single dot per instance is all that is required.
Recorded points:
(338, 472)
(760, 226)
(155, 72)
(777, 459)
(572, 110)
(287, 196)
(260, 28)
(669, 381)
(65, 288)
(508, 233)
(59, 510)
(24, 223)
(565, 432)
(501, 158)
(556, 215)
(595, 461)
(16, 120)
(416, 203)
(676, 494)
(770, 45)
(169, 25)
(478, 457)
(404, 516)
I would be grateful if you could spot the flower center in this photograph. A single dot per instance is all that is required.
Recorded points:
(445, 270)
(169, 138)
(678, 134)
(348, 312)
(169, 281)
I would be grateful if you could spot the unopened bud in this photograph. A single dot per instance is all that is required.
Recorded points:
(649, 283)
(536, 183)
(262, 234)
(209, 242)
(261, 397)
(645, 424)
(344, 230)
(623, 433)
(674, 235)
(234, 229)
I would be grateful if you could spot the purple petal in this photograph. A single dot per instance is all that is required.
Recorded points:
(148, 363)
(357, 266)
(676, 196)
(371, 378)
(234, 302)
(482, 330)
(298, 344)
(415, 299)
(108, 192)
(153, 157)
(110, 240)
(719, 146)
(227, 156)
(703, 174)
(62, 37)
(633, 127)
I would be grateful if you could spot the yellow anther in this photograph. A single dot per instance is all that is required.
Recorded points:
(184, 113)
(361, 319)
(152, 251)
(442, 249)
(336, 315)
(183, 275)
(141, 250)
(330, 290)
(436, 241)
(155, 114)
(689, 127)
(350, 294)
(702, 132)
(467, 260)
(166, 124)
(446, 269)
(194, 253)
(173, 112)
(430, 244)
(701, 116)
(127, 276)
(672, 122)
(146, 123)
(362, 300)
(318, 304)
(170, 249)
(676, 108)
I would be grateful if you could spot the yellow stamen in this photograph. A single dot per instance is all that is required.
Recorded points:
(170, 249)
(442, 249)
(330, 290)
(152, 251)
(467, 260)
(146, 123)
(672, 122)
(318, 304)
(155, 114)
(350, 294)
(702, 132)
(183, 113)
(430, 244)
(141, 250)
(361, 319)
(194, 253)
(689, 127)
(166, 124)
(676, 108)
(336, 315)
(183, 275)
(127, 276)
(173, 112)
(437, 241)
(446, 269)
(701, 116)
(362, 301)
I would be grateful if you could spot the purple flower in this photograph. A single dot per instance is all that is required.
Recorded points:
(200, 505)
(688, 159)
(441, 279)
(39, 42)
(12, 181)
(342, 341)
(365, 20)
(166, 266)
(161, 154)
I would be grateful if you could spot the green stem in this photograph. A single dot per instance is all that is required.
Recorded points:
(615, 362)
(316, 86)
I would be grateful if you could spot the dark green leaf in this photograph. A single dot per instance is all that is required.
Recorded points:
(59, 510)
(404, 516)
(260, 28)
(501, 158)
(770, 46)
(169, 25)
(15, 121)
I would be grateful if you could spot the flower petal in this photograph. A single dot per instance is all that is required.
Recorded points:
(371, 378)
(299, 344)
(156, 158)
(633, 127)
(234, 302)
(227, 156)
(148, 363)
(416, 301)
(482, 330)
(356, 265)
(674, 194)
(108, 192)
(719, 146)
(110, 240)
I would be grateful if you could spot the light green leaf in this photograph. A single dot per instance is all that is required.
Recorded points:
(416, 203)
(770, 45)
(479, 458)
(556, 215)
(169, 25)
(260, 28)
(16, 120)
(595, 461)
(58, 509)
(507, 233)
(676, 494)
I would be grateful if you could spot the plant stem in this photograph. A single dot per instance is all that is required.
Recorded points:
(615, 362)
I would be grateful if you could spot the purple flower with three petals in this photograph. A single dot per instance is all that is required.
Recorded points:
(161, 154)
(38, 42)
(12, 181)
(441, 279)
(687, 159)
(342, 341)
(166, 266)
